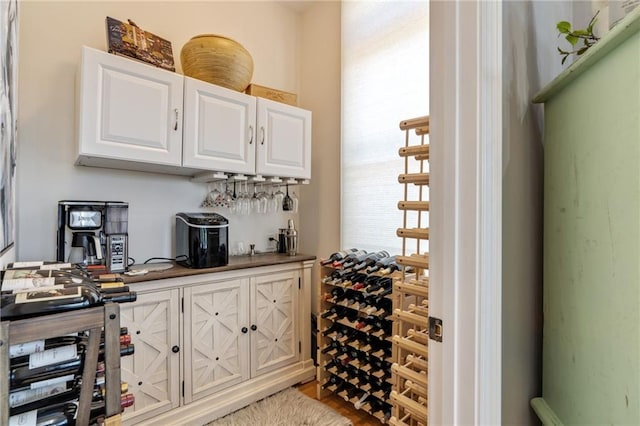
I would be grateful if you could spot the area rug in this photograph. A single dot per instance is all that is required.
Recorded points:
(287, 408)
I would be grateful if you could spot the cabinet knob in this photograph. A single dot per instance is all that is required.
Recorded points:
(244, 329)
(175, 349)
(175, 126)
(262, 135)
(254, 327)
(250, 135)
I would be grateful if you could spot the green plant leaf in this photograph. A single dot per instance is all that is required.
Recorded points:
(564, 27)
(572, 39)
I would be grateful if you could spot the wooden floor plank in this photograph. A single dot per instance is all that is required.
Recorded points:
(357, 417)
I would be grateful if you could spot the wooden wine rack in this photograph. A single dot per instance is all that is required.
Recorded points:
(411, 290)
(325, 370)
(94, 320)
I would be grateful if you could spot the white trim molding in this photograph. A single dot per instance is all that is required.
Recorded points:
(489, 326)
(465, 370)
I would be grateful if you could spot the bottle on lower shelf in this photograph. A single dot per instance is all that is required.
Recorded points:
(21, 375)
(28, 399)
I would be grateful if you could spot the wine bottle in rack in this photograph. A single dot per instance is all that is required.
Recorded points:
(21, 375)
(22, 279)
(31, 398)
(22, 352)
(98, 405)
(338, 311)
(380, 283)
(352, 392)
(351, 371)
(379, 303)
(378, 344)
(333, 380)
(338, 256)
(381, 264)
(363, 400)
(348, 259)
(385, 304)
(350, 314)
(340, 275)
(333, 363)
(339, 294)
(333, 328)
(55, 415)
(100, 386)
(378, 406)
(50, 300)
(371, 259)
(382, 325)
(28, 348)
(334, 344)
(354, 258)
(390, 268)
(379, 363)
(356, 354)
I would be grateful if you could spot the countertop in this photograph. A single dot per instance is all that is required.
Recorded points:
(235, 263)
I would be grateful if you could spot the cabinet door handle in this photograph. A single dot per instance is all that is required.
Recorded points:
(175, 126)
(175, 349)
(251, 133)
(254, 327)
(244, 329)
(262, 135)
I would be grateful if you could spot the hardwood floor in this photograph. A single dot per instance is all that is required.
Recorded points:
(357, 417)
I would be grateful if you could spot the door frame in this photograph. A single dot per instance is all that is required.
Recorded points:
(465, 370)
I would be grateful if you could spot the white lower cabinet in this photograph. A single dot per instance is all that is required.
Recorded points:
(209, 344)
(217, 350)
(153, 372)
(274, 330)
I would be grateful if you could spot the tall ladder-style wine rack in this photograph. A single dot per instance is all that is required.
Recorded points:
(411, 290)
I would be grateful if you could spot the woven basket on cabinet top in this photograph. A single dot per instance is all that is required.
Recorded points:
(217, 59)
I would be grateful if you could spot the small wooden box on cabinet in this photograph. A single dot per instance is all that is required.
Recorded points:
(273, 94)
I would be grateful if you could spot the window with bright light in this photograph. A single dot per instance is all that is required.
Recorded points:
(385, 79)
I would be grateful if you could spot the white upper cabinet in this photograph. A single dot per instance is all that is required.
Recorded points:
(219, 128)
(138, 117)
(128, 111)
(284, 140)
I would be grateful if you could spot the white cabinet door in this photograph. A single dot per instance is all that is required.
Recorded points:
(129, 110)
(284, 140)
(219, 128)
(153, 371)
(216, 321)
(274, 314)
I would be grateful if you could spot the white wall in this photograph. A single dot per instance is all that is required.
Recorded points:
(320, 76)
(51, 33)
(530, 61)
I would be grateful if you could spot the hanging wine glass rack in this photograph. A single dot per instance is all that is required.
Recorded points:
(411, 290)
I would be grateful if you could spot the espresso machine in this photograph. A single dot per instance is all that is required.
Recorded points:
(93, 233)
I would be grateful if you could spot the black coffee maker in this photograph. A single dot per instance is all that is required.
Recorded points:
(85, 249)
(98, 232)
